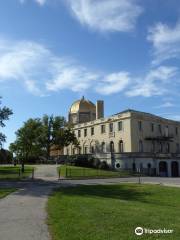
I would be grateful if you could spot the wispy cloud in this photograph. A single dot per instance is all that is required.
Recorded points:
(166, 42)
(40, 2)
(106, 15)
(41, 71)
(113, 83)
(154, 83)
(165, 105)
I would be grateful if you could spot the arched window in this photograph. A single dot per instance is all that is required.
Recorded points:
(149, 165)
(103, 147)
(79, 150)
(121, 146)
(134, 167)
(92, 149)
(85, 150)
(111, 146)
(140, 146)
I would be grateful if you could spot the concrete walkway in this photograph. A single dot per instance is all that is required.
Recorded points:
(22, 213)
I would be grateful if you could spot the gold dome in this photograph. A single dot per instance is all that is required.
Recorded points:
(82, 105)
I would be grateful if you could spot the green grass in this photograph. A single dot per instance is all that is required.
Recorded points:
(82, 172)
(11, 172)
(5, 191)
(112, 212)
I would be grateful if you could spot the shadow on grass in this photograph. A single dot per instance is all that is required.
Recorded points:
(128, 192)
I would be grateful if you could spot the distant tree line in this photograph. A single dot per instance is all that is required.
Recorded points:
(36, 137)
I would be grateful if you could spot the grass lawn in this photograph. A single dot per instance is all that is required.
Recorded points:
(82, 172)
(112, 212)
(5, 191)
(11, 172)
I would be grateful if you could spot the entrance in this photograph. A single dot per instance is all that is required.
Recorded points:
(174, 169)
(163, 171)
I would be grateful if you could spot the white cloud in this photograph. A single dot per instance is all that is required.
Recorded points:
(106, 15)
(23, 62)
(41, 71)
(113, 83)
(166, 42)
(40, 2)
(165, 105)
(154, 83)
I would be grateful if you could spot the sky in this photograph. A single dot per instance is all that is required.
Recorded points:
(53, 52)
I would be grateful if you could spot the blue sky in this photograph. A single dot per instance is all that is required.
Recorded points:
(125, 52)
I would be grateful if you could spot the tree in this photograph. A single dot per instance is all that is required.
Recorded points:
(5, 112)
(27, 143)
(56, 132)
(37, 136)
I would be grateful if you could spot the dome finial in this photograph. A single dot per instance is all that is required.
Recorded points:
(83, 98)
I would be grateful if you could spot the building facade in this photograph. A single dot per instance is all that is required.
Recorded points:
(128, 140)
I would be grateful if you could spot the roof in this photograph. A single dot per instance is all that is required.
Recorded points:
(82, 105)
(144, 113)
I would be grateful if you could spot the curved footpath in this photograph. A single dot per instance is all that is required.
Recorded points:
(23, 213)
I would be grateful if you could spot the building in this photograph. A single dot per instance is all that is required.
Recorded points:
(130, 139)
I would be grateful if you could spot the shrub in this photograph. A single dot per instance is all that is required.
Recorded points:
(104, 165)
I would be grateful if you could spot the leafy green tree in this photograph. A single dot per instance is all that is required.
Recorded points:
(5, 112)
(27, 143)
(56, 132)
(37, 136)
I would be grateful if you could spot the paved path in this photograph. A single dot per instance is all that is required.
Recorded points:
(46, 172)
(22, 214)
(150, 180)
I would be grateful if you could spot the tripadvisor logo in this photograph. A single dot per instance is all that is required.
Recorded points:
(140, 231)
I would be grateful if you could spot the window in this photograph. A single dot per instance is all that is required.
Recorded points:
(153, 147)
(120, 127)
(166, 131)
(103, 128)
(140, 146)
(67, 151)
(134, 167)
(167, 147)
(159, 128)
(160, 147)
(85, 132)
(92, 149)
(111, 127)
(92, 131)
(79, 150)
(121, 147)
(85, 150)
(79, 133)
(140, 125)
(177, 147)
(103, 147)
(74, 151)
(118, 165)
(111, 146)
(176, 130)
(152, 127)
